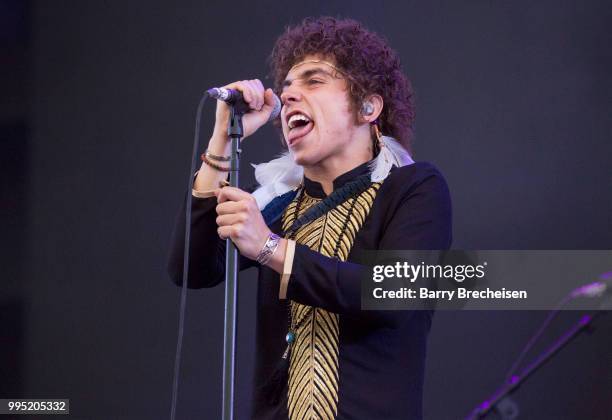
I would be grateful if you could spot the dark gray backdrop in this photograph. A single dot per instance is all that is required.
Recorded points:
(513, 106)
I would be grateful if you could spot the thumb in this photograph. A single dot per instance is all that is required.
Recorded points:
(269, 100)
(268, 106)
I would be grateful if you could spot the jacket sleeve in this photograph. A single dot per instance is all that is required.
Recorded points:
(207, 250)
(420, 219)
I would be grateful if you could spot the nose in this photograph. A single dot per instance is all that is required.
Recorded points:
(290, 95)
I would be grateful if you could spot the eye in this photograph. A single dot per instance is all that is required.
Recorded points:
(313, 81)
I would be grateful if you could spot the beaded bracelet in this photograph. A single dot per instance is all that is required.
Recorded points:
(217, 158)
(213, 165)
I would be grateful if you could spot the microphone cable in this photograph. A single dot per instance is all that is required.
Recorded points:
(183, 301)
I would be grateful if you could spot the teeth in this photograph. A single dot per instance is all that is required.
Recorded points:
(297, 117)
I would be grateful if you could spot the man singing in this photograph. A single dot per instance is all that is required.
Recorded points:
(346, 184)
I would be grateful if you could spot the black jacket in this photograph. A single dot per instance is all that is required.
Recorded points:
(381, 353)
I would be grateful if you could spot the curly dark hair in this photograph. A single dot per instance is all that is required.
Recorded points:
(374, 67)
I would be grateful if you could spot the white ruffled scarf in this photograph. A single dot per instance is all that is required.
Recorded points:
(282, 174)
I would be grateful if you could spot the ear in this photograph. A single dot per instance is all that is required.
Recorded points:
(377, 106)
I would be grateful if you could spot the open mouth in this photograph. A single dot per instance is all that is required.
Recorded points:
(299, 125)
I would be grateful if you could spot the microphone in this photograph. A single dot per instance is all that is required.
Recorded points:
(234, 97)
(596, 289)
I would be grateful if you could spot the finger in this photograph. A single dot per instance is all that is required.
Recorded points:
(258, 84)
(269, 101)
(231, 219)
(232, 232)
(217, 192)
(252, 94)
(246, 92)
(257, 95)
(260, 91)
(231, 207)
(242, 87)
(233, 194)
(224, 232)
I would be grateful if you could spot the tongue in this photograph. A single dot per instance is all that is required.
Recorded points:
(301, 130)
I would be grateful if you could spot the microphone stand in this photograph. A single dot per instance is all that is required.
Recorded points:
(501, 400)
(235, 132)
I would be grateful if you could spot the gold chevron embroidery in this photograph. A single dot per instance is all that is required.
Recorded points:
(313, 368)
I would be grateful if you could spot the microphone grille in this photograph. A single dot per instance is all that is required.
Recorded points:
(277, 108)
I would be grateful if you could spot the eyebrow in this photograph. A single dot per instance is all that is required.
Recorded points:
(305, 74)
